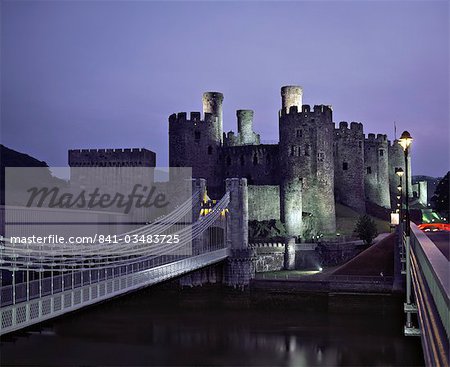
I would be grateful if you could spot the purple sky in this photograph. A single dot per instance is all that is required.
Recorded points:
(108, 74)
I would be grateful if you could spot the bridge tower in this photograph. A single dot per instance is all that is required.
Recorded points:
(240, 265)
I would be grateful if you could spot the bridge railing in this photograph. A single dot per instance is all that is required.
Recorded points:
(431, 281)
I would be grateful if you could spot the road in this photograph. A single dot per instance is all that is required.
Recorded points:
(442, 241)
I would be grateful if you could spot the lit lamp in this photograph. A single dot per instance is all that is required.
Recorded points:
(405, 142)
(399, 172)
(395, 219)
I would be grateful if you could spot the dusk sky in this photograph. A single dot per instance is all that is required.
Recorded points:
(108, 74)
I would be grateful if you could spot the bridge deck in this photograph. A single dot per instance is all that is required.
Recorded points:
(24, 314)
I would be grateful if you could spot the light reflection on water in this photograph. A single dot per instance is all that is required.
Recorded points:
(142, 330)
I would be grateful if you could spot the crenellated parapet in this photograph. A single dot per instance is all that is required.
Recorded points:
(378, 138)
(194, 118)
(135, 157)
(319, 112)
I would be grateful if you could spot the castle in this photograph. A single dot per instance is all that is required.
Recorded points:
(315, 165)
(299, 180)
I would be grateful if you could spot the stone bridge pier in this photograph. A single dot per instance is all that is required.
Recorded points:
(240, 265)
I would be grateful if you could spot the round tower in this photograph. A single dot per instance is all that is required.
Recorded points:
(376, 179)
(306, 166)
(212, 103)
(349, 165)
(245, 126)
(291, 95)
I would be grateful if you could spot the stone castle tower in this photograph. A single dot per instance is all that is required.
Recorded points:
(196, 142)
(349, 165)
(297, 180)
(306, 161)
(376, 179)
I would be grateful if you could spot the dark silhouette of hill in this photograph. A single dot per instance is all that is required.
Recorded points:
(12, 158)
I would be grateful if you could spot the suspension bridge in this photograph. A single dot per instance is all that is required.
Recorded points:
(45, 280)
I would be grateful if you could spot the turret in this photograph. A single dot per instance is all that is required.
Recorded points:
(212, 103)
(291, 96)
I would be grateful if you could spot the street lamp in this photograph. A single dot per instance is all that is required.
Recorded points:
(405, 142)
(399, 172)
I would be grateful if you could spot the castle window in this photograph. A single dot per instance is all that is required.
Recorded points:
(228, 161)
(210, 150)
(307, 150)
(242, 160)
(197, 136)
(255, 160)
(292, 151)
(360, 144)
(369, 170)
(320, 156)
(345, 166)
(381, 152)
(299, 133)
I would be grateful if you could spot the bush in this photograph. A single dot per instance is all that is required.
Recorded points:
(266, 229)
(366, 229)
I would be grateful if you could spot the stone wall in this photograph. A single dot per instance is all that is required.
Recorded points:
(310, 256)
(263, 202)
(269, 256)
(259, 164)
(137, 157)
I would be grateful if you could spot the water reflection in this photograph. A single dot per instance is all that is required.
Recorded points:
(142, 330)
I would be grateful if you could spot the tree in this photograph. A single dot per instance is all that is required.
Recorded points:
(440, 198)
(366, 229)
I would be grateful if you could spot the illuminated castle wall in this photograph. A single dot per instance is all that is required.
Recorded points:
(299, 180)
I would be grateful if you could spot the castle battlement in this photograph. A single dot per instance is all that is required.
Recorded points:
(354, 126)
(380, 138)
(99, 157)
(318, 110)
(125, 150)
(194, 117)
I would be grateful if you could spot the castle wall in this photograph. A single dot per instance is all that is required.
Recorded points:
(307, 164)
(376, 178)
(258, 163)
(112, 158)
(263, 202)
(349, 165)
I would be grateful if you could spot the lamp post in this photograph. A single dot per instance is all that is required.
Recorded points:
(405, 142)
(399, 172)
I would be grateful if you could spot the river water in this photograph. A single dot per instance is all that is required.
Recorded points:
(209, 326)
